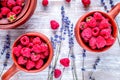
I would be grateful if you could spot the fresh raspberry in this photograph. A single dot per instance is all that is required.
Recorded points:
(24, 40)
(20, 2)
(46, 53)
(100, 42)
(92, 43)
(3, 3)
(83, 25)
(95, 31)
(11, 16)
(98, 16)
(1, 16)
(86, 3)
(45, 2)
(54, 24)
(86, 34)
(110, 41)
(104, 24)
(42, 56)
(57, 73)
(5, 11)
(106, 33)
(25, 52)
(65, 62)
(11, 3)
(37, 48)
(44, 47)
(22, 60)
(30, 64)
(17, 50)
(17, 10)
(39, 64)
(68, 1)
(92, 22)
(37, 40)
(30, 46)
(35, 56)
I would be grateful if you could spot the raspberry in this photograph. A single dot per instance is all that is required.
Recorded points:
(22, 60)
(104, 24)
(98, 16)
(39, 64)
(54, 24)
(25, 52)
(44, 47)
(20, 2)
(35, 56)
(11, 3)
(17, 51)
(110, 41)
(30, 64)
(92, 22)
(106, 33)
(86, 34)
(86, 3)
(42, 56)
(37, 40)
(100, 42)
(5, 11)
(57, 73)
(68, 1)
(45, 2)
(92, 43)
(11, 16)
(65, 62)
(95, 31)
(83, 25)
(30, 45)
(17, 9)
(1, 16)
(24, 40)
(46, 53)
(37, 48)
(3, 3)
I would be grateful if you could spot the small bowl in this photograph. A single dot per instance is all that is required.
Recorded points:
(26, 13)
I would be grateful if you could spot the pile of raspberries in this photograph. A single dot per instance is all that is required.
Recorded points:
(31, 52)
(10, 9)
(96, 31)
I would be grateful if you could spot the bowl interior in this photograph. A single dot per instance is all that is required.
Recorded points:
(45, 40)
(79, 38)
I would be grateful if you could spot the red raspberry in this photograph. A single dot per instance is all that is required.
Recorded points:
(24, 40)
(46, 53)
(17, 10)
(92, 22)
(35, 56)
(65, 62)
(106, 33)
(1, 16)
(11, 3)
(86, 34)
(37, 48)
(44, 47)
(100, 42)
(39, 64)
(22, 60)
(86, 3)
(11, 16)
(20, 2)
(95, 31)
(57, 73)
(98, 16)
(17, 51)
(37, 40)
(3, 3)
(30, 64)
(42, 56)
(83, 25)
(68, 1)
(104, 24)
(54, 24)
(92, 43)
(110, 41)
(25, 52)
(5, 11)
(45, 2)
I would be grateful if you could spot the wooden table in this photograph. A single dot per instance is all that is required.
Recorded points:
(107, 69)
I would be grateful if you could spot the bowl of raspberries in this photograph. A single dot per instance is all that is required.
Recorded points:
(97, 31)
(32, 52)
(14, 13)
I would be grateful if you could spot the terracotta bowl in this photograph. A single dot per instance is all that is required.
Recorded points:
(111, 15)
(16, 67)
(26, 13)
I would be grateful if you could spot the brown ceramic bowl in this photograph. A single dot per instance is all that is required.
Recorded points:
(111, 15)
(26, 13)
(16, 67)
